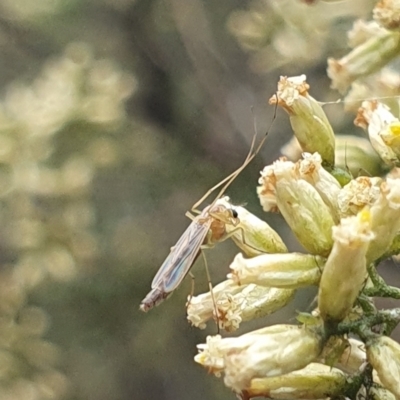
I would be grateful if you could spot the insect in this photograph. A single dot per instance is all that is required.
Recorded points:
(205, 230)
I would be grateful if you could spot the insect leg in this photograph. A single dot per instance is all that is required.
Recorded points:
(189, 215)
(211, 290)
(191, 291)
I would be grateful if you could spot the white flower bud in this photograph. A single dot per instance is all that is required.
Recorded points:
(358, 193)
(345, 270)
(267, 352)
(353, 357)
(387, 14)
(253, 235)
(379, 393)
(385, 217)
(309, 122)
(300, 204)
(292, 270)
(357, 155)
(362, 31)
(311, 170)
(235, 304)
(384, 355)
(365, 59)
(316, 381)
(383, 130)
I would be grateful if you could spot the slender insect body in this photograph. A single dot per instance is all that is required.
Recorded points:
(221, 216)
(207, 229)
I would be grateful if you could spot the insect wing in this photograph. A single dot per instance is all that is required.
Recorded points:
(181, 257)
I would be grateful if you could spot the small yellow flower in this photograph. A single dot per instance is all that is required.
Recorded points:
(383, 130)
(345, 270)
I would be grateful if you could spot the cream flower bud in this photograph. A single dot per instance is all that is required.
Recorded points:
(365, 59)
(385, 217)
(383, 130)
(387, 14)
(379, 393)
(363, 31)
(311, 170)
(356, 154)
(345, 270)
(316, 381)
(292, 270)
(253, 235)
(384, 355)
(358, 193)
(235, 304)
(300, 204)
(267, 191)
(267, 352)
(384, 85)
(309, 122)
(353, 357)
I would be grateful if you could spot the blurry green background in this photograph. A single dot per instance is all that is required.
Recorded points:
(115, 117)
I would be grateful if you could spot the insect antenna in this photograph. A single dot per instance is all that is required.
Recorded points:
(250, 155)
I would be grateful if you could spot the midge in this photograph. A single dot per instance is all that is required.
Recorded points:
(206, 230)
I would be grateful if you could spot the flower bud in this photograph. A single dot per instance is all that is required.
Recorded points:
(345, 270)
(316, 381)
(379, 393)
(364, 60)
(292, 270)
(235, 304)
(357, 155)
(383, 130)
(385, 217)
(383, 85)
(253, 235)
(309, 122)
(311, 170)
(358, 193)
(362, 31)
(300, 204)
(387, 14)
(267, 352)
(353, 357)
(384, 355)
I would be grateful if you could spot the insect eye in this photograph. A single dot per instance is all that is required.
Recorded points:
(234, 213)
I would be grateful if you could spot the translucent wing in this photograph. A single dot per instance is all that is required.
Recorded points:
(182, 257)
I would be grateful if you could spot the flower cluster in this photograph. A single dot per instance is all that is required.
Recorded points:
(347, 225)
(366, 71)
(277, 33)
(54, 134)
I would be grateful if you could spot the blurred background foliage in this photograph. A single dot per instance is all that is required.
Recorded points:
(115, 117)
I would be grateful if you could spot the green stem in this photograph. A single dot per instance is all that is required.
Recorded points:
(381, 288)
